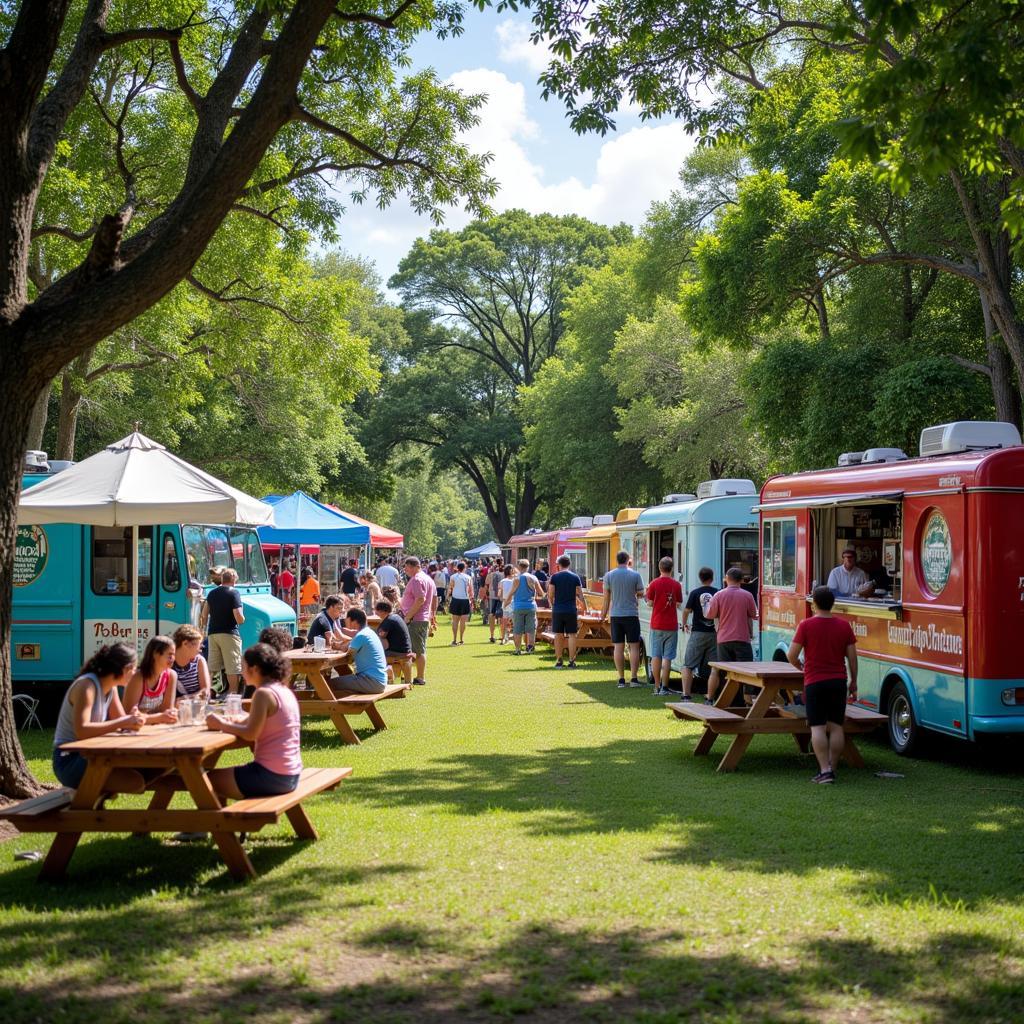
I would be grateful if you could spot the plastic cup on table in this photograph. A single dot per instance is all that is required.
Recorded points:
(318, 644)
(184, 711)
(234, 707)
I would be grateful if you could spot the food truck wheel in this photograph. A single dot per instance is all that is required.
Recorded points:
(904, 731)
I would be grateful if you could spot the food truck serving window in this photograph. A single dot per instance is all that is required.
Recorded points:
(112, 562)
(778, 553)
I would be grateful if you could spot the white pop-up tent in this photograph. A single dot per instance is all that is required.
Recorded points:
(138, 482)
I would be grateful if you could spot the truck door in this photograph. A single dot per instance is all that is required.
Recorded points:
(172, 610)
(110, 563)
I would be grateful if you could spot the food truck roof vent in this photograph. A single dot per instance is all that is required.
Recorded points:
(850, 459)
(533, 529)
(877, 455)
(725, 486)
(967, 435)
(581, 522)
(59, 465)
(35, 462)
(674, 499)
(604, 520)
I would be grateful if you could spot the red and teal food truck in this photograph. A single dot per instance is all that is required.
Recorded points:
(940, 537)
(72, 587)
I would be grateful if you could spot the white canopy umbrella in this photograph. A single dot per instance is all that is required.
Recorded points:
(138, 482)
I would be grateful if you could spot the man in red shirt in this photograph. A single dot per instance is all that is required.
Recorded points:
(828, 646)
(736, 613)
(664, 595)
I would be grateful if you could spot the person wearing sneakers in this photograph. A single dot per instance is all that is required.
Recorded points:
(493, 590)
(622, 589)
(664, 596)
(460, 602)
(703, 643)
(418, 608)
(565, 592)
(523, 599)
(507, 583)
(829, 648)
(736, 613)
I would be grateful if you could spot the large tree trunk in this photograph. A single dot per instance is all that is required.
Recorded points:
(20, 396)
(1005, 394)
(526, 507)
(67, 425)
(37, 425)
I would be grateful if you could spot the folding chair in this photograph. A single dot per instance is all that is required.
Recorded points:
(29, 706)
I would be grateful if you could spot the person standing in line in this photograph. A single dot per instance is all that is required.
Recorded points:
(736, 613)
(703, 643)
(523, 599)
(221, 615)
(664, 596)
(494, 597)
(285, 582)
(622, 589)
(418, 608)
(437, 573)
(350, 581)
(309, 593)
(460, 603)
(507, 583)
(387, 575)
(830, 650)
(565, 593)
(542, 574)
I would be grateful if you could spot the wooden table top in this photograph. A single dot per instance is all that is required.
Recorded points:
(319, 657)
(762, 671)
(191, 740)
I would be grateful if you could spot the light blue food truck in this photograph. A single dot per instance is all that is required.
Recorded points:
(715, 527)
(72, 586)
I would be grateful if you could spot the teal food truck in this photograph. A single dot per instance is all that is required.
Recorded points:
(715, 527)
(73, 593)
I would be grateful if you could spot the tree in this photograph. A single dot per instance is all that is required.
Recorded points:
(569, 410)
(935, 92)
(494, 294)
(275, 96)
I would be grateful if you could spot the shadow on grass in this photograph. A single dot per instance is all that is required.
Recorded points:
(923, 837)
(551, 974)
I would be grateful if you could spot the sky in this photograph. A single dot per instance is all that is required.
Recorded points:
(542, 166)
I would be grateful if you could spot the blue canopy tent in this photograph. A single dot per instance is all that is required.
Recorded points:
(488, 550)
(300, 519)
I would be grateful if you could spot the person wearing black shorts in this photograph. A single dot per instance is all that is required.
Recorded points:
(829, 648)
(623, 587)
(565, 592)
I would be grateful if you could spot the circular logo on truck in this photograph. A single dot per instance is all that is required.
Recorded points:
(30, 553)
(936, 553)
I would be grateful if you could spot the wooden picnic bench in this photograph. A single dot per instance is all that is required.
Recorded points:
(592, 634)
(332, 700)
(175, 759)
(766, 715)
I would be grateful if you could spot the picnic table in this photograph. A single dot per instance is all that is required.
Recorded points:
(335, 702)
(770, 712)
(591, 634)
(174, 759)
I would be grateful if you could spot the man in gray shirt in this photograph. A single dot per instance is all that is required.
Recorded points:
(623, 587)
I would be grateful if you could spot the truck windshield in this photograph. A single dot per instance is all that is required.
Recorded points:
(207, 547)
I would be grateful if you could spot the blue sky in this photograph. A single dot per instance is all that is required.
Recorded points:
(540, 163)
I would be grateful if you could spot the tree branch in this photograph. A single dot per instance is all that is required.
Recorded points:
(222, 296)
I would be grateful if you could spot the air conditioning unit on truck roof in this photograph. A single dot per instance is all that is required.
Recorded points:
(604, 520)
(967, 435)
(850, 459)
(876, 455)
(581, 523)
(674, 499)
(725, 486)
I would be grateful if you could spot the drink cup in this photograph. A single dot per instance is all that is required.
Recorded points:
(318, 644)
(184, 712)
(198, 712)
(234, 707)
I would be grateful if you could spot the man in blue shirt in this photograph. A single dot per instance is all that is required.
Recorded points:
(565, 591)
(523, 599)
(370, 662)
(623, 587)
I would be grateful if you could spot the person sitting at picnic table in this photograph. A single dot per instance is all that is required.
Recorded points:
(828, 647)
(327, 623)
(189, 665)
(153, 685)
(92, 707)
(280, 639)
(394, 635)
(272, 724)
(370, 663)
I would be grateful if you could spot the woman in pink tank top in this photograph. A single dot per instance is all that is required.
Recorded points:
(272, 724)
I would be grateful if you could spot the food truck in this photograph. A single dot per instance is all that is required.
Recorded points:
(716, 527)
(602, 547)
(940, 538)
(73, 593)
(548, 545)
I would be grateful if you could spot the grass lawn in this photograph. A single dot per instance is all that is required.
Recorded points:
(525, 843)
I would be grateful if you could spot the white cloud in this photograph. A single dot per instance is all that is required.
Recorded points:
(631, 170)
(515, 47)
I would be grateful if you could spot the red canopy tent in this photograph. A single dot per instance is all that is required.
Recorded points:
(380, 536)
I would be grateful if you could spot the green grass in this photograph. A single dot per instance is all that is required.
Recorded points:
(524, 843)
